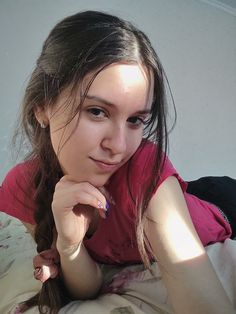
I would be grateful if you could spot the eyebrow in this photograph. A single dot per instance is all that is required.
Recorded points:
(108, 103)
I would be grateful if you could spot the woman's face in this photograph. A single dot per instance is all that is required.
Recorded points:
(110, 126)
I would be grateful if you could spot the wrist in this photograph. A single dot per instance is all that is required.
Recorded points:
(69, 251)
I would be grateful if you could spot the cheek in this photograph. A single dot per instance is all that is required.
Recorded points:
(61, 134)
(55, 140)
(61, 145)
(134, 142)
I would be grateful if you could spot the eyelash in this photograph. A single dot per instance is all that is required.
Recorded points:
(141, 121)
(95, 112)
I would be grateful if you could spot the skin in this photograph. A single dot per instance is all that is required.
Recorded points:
(112, 133)
(109, 127)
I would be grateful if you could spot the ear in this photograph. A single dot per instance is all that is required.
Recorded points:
(42, 116)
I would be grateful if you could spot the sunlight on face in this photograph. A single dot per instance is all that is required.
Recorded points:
(108, 128)
(132, 75)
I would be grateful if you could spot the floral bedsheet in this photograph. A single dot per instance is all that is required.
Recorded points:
(127, 290)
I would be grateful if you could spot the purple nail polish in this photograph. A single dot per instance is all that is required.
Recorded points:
(107, 209)
(100, 205)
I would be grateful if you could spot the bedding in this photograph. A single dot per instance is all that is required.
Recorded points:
(127, 290)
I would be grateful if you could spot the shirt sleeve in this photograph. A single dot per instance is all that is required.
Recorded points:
(168, 171)
(17, 193)
(142, 169)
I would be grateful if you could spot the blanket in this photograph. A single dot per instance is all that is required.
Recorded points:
(127, 290)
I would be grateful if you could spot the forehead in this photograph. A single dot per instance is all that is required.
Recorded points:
(125, 85)
(122, 82)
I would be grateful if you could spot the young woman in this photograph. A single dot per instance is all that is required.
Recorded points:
(97, 186)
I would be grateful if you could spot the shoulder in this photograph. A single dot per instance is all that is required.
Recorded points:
(20, 176)
(17, 191)
(141, 173)
(143, 167)
(21, 170)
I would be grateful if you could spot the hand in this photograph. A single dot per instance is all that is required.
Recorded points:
(73, 208)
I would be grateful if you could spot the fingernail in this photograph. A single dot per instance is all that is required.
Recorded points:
(103, 210)
(100, 205)
(106, 211)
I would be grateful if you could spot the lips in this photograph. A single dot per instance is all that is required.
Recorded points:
(106, 165)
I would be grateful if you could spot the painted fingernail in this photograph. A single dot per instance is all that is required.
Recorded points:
(100, 205)
(103, 210)
(106, 211)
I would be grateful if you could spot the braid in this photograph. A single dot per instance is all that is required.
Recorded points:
(53, 294)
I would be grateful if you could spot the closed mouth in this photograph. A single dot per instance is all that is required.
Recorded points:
(106, 166)
(106, 162)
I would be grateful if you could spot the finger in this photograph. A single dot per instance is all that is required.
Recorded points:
(68, 178)
(107, 195)
(78, 193)
(94, 202)
(69, 199)
(101, 193)
(100, 202)
(70, 204)
(68, 194)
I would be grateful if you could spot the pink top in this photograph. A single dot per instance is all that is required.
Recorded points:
(114, 240)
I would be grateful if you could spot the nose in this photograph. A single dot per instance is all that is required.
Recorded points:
(115, 139)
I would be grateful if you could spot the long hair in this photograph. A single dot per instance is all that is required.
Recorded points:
(84, 43)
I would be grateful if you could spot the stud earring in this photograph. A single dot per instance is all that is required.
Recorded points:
(43, 125)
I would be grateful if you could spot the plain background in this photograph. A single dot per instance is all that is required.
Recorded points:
(195, 41)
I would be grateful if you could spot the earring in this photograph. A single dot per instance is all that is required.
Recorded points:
(43, 125)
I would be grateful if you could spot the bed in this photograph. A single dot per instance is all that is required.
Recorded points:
(132, 289)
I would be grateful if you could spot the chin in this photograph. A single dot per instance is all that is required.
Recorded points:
(98, 182)
(95, 179)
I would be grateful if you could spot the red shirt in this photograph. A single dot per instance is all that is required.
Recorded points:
(115, 239)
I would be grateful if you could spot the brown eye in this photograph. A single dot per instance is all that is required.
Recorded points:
(97, 112)
(136, 121)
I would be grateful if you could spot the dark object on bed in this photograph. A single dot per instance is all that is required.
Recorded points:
(220, 191)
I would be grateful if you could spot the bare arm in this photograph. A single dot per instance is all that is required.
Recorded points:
(82, 276)
(191, 281)
(76, 261)
(74, 205)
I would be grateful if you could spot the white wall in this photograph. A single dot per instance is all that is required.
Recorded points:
(196, 43)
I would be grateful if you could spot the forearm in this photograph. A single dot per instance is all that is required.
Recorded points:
(191, 282)
(193, 287)
(82, 276)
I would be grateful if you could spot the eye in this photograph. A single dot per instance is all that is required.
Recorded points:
(96, 112)
(136, 121)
